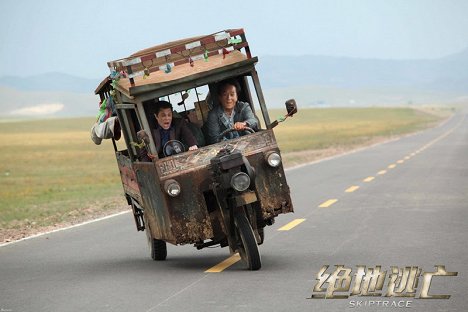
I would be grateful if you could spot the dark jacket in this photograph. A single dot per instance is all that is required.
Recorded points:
(215, 124)
(178, 131)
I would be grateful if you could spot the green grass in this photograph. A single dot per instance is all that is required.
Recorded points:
(312, 129)
(51, 172)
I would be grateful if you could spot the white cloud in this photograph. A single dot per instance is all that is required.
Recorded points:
(38, 110)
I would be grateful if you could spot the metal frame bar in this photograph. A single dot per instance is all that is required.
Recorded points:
(261, 99)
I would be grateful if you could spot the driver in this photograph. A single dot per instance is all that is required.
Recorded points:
(230, 114)
(167, 129)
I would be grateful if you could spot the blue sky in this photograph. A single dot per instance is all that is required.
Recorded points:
(79, 37)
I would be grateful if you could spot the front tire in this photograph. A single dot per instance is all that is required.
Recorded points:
(248, 248)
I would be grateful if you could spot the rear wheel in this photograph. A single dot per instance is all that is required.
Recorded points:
(248, 248)
(158, 249)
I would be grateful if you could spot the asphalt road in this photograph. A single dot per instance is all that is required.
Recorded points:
(413, 213)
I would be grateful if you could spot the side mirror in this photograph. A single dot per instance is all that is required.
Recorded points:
(184, 97)
(291, 107)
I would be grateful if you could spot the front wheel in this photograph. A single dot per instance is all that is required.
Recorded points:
(248, 248)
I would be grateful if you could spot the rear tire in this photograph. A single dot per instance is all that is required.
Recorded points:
(158, 250)
(248, 248)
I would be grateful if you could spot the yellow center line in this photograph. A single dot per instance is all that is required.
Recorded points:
(412, 154)
(391, 166)
(368, 179)
(382, 172)
(400, 161)
(328, 203)
(224, 264)
(291, 224)
(407, 157)
(352, 189)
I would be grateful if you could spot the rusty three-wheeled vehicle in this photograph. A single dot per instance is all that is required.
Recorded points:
(219, 194)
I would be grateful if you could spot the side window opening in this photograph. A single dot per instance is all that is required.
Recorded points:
(132, 124)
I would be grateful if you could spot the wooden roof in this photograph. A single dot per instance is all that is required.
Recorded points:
(184, 70)
(179, 59)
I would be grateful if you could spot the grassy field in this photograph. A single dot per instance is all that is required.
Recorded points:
(51, 173)
(318, 133)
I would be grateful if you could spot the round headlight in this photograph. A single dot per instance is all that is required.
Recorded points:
(240, 181)
(274, 159)
(172, 188)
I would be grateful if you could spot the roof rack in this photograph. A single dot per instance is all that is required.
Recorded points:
(166, 56)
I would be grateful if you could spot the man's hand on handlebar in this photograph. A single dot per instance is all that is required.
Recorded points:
(240, 125)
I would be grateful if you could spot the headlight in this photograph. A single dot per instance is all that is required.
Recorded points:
(273, 159)
(240, 181)
(172, 187)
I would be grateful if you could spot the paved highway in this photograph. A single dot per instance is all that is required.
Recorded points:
(400, 204)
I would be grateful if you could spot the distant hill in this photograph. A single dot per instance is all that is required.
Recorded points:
(444, 74)
(49, 94)
(323, 81)
(20, 104)
(313, 80)
(52, 81)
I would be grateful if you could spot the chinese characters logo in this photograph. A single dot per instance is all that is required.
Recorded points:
(402, 282)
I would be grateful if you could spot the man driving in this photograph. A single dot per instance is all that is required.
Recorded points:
(230, 114)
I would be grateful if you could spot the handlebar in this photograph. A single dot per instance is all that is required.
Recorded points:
(222, 134)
